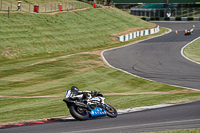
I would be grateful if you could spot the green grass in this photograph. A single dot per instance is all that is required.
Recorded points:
(31, 108)
(34, 62)
(192, 51)
(149, 99)
(26, 34)
(88, 72)
(17, 109)
(180, 131)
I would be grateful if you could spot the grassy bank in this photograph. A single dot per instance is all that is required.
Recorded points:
(44, 55)
(26, 34)
(34, 88)
(192, 51)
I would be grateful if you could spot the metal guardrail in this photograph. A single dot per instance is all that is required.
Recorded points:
(166, 12)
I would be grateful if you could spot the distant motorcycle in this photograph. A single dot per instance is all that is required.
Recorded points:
(189, 32)
(85, 105)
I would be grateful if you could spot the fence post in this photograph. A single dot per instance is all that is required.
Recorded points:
(8, 12)
(51, 8)
(67, 6)
(1, 5)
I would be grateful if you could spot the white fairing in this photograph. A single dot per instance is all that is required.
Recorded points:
(102, 98)
(90, 100)
(79, 96)
(96, 100)
(68, 94)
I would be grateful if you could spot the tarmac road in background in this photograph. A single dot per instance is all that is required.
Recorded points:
(160, 58)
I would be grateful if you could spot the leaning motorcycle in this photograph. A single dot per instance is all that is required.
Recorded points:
(85, 105)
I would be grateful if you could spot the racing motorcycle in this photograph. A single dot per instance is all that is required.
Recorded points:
(189, 32)
(85, 105)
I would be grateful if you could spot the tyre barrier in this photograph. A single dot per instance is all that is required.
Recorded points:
(171, 18)
(138, 33)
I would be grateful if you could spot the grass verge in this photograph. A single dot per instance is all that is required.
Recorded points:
(28, 34)
(20, 82)
(192, 51)
(180, 131)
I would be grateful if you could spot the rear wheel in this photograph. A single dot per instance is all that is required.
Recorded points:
(111, 111)
(79, 113)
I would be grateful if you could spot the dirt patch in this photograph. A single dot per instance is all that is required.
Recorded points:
(113, 94)
(28, 96)
(142, 93)
(62, 57)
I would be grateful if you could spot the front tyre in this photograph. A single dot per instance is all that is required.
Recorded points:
(79, 113)
(111, 111)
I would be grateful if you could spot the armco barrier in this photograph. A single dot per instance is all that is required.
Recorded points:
(138, 33)
(171, 18)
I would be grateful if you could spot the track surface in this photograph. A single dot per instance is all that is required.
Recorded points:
(175, 117)
(158, 59)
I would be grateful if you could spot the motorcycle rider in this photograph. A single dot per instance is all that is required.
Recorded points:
(75, 91)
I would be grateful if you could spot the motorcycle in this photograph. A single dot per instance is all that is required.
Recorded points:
(85, 105)
(189, 32)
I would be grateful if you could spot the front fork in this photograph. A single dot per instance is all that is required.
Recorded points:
(103, 106)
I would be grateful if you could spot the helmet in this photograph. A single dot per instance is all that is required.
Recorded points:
(74, 90)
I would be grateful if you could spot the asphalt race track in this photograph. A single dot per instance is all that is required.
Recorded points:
(174, 117)
(160, 58)
(157, 59)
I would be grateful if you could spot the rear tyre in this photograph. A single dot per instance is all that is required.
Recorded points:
(111, 111)
(79, 113)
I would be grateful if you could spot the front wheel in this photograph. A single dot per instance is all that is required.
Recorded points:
(111, 111)
(79, 113)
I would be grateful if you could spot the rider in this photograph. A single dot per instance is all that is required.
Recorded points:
(191, 30)
(75, 90)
